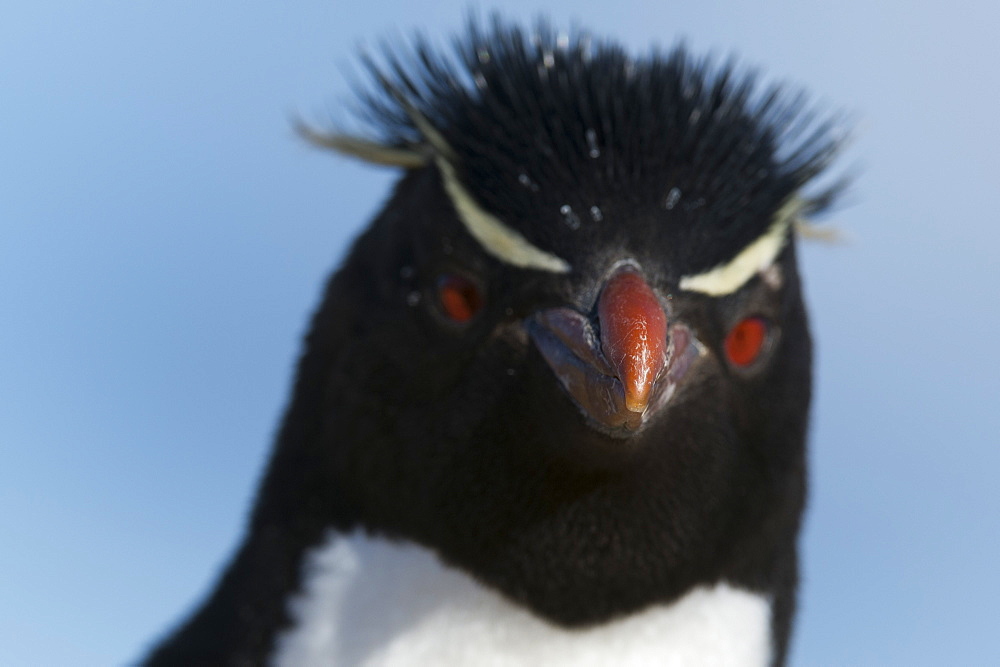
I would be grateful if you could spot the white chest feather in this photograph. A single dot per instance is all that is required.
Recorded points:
(369, 601)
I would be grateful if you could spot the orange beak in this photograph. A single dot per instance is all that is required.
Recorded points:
(633, 335)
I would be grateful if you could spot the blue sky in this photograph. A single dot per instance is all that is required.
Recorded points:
(164, 237)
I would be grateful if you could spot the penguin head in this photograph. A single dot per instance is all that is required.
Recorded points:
(628, 222)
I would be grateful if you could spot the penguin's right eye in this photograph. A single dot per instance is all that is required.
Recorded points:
(458, 298)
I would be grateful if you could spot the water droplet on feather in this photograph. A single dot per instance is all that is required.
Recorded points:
(569, 217)
(673, 197)
(594, 151)
(526, 181)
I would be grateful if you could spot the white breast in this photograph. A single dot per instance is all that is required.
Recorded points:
(369, 601)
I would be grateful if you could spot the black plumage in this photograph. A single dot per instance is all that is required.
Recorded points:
(457, 435)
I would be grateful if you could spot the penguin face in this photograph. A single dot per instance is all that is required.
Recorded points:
(621, 340)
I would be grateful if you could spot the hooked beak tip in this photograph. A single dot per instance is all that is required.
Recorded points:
(636, 403)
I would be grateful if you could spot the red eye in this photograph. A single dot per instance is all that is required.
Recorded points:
(746, 341)
(459, 297)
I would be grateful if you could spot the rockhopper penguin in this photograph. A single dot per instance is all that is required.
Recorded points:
(552, 409)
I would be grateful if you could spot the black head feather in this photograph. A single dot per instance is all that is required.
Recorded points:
(550, 132)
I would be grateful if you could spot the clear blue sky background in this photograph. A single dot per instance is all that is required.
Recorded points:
(164, 237)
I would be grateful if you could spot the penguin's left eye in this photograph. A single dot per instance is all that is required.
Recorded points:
(747, 341)
(459, 298)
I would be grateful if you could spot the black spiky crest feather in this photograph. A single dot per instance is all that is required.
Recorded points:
(531, 119)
